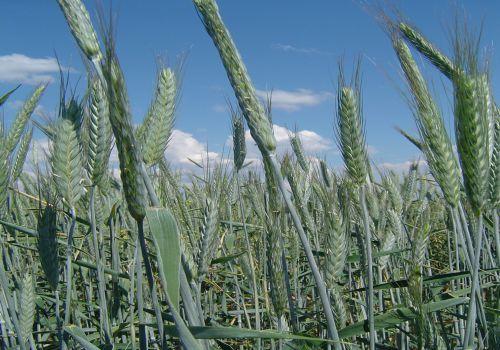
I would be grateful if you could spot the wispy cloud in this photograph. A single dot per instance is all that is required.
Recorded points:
(302, 50)
(372, 150)
(402, 166)
(294, 100)
(17, 104)
(18, 68)
(220, 108)
(38, 155)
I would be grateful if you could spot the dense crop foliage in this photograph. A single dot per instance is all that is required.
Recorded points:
(296, 256)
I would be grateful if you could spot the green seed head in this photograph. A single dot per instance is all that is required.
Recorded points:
(436, 143)
(239, 142)
(47, 245)
(471, 129)
(251, 107)
(443, 63)
(21, 154)
(99, 132)
(128, 151)
(495, 163)
(350, 133)
(4, 172)
(67, 163)
(299, 151)
(156, 130)
(23, 117)
(81, 27)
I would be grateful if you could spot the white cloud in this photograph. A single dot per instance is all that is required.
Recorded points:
(41, 145)
(183, 146)
(303, 50)
(281, 134)
(312, 143)
(294, 100)
(37, 155)
(18, 68)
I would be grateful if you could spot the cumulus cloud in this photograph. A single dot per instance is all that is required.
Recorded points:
(18, 68)
(312, 142)
(294, 100)
(184, 146)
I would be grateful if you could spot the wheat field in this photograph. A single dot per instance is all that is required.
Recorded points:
(293, 254)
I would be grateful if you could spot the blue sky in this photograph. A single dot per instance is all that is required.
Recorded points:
(291, 47)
